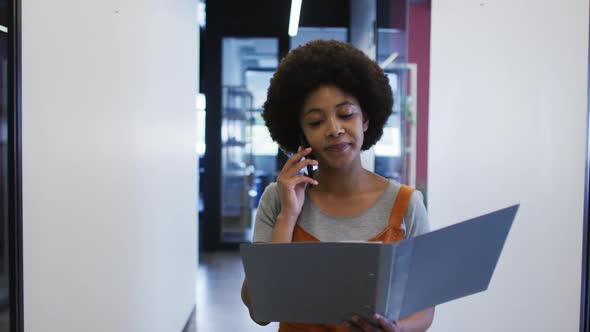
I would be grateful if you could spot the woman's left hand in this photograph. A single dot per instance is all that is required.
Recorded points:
(380, 324)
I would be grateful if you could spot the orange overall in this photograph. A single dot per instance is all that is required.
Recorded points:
(392, 233)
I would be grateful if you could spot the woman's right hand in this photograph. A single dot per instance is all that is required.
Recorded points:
(292, 184)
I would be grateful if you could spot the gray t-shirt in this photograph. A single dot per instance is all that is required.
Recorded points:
(360, 227)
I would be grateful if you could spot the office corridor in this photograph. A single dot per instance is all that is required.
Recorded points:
(219, 306)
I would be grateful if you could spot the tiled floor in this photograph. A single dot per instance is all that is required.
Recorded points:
(219, 306)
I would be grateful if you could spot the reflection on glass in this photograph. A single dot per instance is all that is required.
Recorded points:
(392, 40)
(393, 153)
(390, 143)
(390, 149)
(248, 156)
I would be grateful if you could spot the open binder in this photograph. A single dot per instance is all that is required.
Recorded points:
(327, 282)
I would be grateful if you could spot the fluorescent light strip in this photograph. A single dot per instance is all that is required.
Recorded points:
(294, 18)
(3, 29)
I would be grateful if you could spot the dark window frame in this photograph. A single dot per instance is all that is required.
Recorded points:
(585, 287)
(14, 168)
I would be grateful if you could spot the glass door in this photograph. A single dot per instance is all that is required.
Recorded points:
(247, 156)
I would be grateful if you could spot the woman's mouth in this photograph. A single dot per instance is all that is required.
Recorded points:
(338, 147)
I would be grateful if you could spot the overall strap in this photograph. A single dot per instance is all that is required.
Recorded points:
(301, 235)
(399, 206)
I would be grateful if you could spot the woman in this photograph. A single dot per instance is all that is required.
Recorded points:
(330, 96)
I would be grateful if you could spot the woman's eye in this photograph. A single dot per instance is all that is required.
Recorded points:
(314, 123)
(347, 116)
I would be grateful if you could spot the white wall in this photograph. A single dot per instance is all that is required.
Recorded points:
(109, 164)
(507, 125)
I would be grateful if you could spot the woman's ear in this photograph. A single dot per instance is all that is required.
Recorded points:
(365, 122)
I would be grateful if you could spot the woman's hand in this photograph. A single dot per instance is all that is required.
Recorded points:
(416, 322)
(380, 324)
(292, 184)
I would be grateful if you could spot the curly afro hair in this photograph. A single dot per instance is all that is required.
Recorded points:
(325, 62)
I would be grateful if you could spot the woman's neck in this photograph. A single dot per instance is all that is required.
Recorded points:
(343, 181)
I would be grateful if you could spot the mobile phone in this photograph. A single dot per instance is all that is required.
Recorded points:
(305, 144)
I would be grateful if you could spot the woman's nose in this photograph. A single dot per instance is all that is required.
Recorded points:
(335, 128)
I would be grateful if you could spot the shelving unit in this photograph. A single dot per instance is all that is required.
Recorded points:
(237, 164)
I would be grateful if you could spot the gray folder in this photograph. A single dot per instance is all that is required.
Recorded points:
(327, 282)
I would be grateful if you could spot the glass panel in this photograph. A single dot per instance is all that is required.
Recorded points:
(390, 149)
(390, 41)
(306, 34)
(247, 66)
(393, 153)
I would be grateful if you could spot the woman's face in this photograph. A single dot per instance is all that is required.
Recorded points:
(334, 125)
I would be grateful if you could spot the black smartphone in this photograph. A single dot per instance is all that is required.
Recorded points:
(305, 144)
